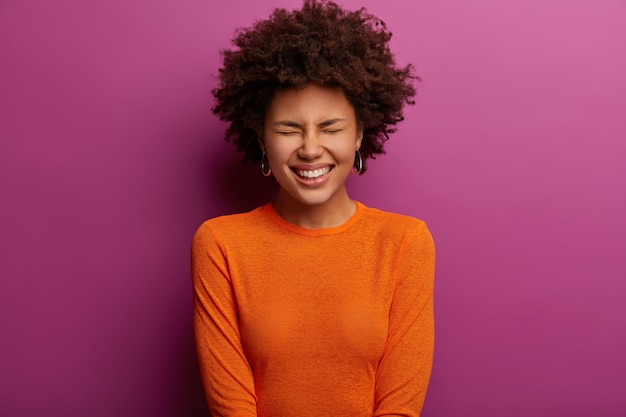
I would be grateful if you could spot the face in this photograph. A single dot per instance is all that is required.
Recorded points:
(310, 137)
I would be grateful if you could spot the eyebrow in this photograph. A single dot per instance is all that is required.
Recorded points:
(323, 124)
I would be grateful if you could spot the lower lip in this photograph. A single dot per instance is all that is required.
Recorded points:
(313, 182)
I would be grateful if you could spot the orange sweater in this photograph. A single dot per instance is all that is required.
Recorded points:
(328, 322)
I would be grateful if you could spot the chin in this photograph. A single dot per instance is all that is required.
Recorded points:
(315, 199)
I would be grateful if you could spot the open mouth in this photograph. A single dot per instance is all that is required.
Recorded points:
(312, 174)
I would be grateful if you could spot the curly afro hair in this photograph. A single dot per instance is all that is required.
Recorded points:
(319, 44)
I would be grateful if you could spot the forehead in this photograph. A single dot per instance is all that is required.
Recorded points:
(311, 103)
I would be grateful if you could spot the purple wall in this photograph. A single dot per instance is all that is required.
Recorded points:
(515, 154)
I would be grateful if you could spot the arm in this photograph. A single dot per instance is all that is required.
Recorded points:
(226, 374)
(404, 371)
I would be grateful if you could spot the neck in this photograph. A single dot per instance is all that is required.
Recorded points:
(332, 213)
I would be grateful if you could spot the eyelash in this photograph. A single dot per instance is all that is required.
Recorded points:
(329, 132)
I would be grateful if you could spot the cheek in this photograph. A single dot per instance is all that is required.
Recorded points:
(278, 152)
(346, 151)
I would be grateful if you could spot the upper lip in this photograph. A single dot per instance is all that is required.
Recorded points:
(310, 167)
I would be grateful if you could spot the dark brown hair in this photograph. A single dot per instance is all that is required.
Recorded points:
(320, 44)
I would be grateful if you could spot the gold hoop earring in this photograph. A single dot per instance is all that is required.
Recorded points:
(265, 166)
(357, 167)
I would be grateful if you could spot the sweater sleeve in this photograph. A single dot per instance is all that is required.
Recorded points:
(226, 373)
(404, 370)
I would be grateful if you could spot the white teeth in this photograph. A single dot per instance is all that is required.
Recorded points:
(315, 173)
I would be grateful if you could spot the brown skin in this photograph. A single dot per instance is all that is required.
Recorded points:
(310, 138)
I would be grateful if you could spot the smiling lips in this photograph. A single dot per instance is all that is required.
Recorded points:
(312, 174)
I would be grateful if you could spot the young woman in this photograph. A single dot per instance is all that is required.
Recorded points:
(314, 304)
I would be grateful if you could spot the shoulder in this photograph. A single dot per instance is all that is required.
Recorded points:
(391, 218)
(394, 223)
(228, 227)
(405, 240)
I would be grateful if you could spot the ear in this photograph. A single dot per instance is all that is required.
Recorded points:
(261, 143)
(359, 138)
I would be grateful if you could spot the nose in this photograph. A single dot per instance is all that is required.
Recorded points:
(311, 147)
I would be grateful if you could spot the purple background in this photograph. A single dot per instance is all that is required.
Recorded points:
(514, 154)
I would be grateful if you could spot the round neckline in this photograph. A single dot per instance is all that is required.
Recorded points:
(275, 217)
